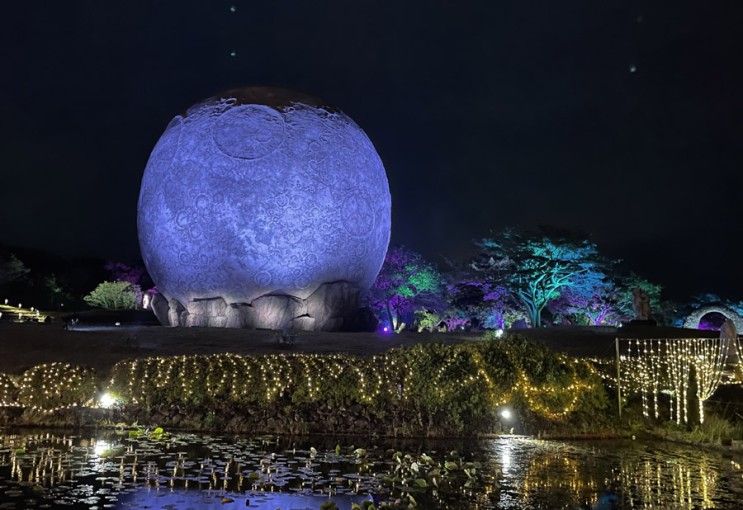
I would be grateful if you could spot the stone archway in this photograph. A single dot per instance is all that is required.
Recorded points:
(692, 321)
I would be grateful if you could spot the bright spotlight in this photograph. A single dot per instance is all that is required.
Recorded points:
(107, 401)
(506, 413)
(498, 333)
(100, 448)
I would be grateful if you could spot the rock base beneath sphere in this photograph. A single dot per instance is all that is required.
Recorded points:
(332, 307)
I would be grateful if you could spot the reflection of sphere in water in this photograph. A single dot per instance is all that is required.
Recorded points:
(260, 191)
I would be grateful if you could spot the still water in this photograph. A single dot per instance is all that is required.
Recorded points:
(182, 471)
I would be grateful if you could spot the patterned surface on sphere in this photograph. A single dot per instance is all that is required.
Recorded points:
(262, 191)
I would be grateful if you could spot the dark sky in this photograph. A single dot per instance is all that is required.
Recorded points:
(620, 119)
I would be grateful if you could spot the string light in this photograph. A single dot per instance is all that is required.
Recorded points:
(396, 376)
(53, 387)
(652, 366)
(21, 314)
(7, 392)
(648, 367)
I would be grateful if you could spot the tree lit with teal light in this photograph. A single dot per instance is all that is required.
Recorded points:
(536, 268)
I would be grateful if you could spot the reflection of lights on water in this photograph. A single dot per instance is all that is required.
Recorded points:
(101, 447)
(536, 474)
(507, 445)
(505, 458)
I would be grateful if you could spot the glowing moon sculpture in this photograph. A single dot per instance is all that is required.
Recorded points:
(263, 208)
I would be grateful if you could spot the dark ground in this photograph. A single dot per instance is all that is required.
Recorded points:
(25, 345)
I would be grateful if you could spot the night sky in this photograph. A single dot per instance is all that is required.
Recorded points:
(618, 119)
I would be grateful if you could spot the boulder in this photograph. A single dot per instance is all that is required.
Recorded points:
(240, 315)
(275, 311)
(363, 320)
(160, 308)
(331, 303)
(303, 323)
(332, 307)
(176, 312)
(206, 313)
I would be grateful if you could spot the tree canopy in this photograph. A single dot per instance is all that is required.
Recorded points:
(12, 270)
(538, 267)
(405, 284)
(113, 296)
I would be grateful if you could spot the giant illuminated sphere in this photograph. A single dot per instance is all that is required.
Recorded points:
(256, 200)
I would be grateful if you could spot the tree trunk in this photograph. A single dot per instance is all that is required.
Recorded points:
(534, 313)
(389, 316)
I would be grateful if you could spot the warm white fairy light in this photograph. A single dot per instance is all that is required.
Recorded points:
(21, 314)
(394, 375)
(53, 387)
(7, 391)
(652, 366)
(708, 359)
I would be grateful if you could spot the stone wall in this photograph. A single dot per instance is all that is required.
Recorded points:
(332, 307)
(692, 321)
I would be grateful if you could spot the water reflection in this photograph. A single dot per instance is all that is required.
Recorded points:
(616, 474)
(200, 471)
(184, 499)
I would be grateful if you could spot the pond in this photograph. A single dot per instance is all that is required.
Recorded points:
(181, 471)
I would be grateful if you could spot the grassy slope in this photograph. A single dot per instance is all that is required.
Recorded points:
(25, 345)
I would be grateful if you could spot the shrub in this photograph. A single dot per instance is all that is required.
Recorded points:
(427, 320)
(426, 388)
(199, 379)
(114, 296)
(53, 386)
(8, 391)
(433, 389)
(716, 429)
